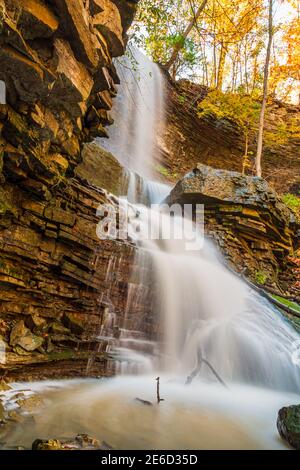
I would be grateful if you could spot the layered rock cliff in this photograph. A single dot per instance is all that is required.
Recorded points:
(58, 284)
(254, 229)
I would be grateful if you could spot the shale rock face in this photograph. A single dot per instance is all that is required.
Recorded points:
(59, 285)
(56, 62)
(253, 228)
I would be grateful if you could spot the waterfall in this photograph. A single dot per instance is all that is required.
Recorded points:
(204, 305)
(201, 304)
(138, 113)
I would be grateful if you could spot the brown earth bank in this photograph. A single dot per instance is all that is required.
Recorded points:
(189, 139)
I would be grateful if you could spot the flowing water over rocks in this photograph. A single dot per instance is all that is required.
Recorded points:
(203, 415)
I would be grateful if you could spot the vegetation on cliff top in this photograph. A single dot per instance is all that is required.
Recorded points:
(247, 50)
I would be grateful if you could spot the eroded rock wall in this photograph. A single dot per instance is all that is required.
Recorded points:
(254, 230)
(58, 283)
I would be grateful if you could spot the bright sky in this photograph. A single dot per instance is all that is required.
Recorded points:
(283, 11)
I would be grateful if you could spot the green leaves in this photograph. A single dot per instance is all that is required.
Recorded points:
(241, 109)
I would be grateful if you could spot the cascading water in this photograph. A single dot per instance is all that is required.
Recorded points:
(137, 115)
(201, 305)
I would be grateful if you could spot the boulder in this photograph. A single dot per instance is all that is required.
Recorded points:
(22, 336)
(103, 170)
(288, 425)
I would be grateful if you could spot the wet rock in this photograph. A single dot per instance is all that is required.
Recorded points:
(288, 425)
(4, 386)
(30, 403)
(22, 336)
(51, 444)
(81, 442)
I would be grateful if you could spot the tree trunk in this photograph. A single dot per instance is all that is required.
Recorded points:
(245, 157)
(189, 28)
(265, 94)
(220, 75)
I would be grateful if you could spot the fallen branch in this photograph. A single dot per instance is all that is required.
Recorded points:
(271, 299)
(144, 402)
(196, 371)
(266, 292)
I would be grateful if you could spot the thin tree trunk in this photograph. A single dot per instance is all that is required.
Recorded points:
(220, 75)
(265, 94)
(245, 158)
(246, 67)
(189, 28)
(214, 66)
(254, 75)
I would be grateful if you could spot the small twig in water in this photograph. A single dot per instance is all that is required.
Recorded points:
(196, 371)
(144, 402)
(157, 392)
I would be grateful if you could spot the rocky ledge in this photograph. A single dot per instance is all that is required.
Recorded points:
(59, 286)
(254, 229)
